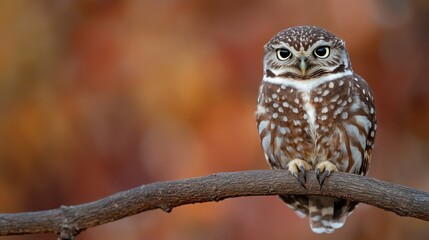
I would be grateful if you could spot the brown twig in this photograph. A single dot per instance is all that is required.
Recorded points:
(69, 221)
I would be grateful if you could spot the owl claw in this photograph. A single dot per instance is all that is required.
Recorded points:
(323, 170)
(297, 165)
(302, 169)
(321, 177)
(295, 174)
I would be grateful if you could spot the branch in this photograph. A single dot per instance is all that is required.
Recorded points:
(69, 221)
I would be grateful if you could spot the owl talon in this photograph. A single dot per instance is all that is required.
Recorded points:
(295, 174)
(321, 177)
(296, 166)
(323, 170)
(302, 169)
(318, 175)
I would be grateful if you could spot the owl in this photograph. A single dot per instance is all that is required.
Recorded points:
(314, 113)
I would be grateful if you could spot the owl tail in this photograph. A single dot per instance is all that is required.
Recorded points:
(321, 215)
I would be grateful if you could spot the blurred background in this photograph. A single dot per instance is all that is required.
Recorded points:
(101, 96)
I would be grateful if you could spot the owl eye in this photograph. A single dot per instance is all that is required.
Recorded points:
(283, 54)
(322, 52)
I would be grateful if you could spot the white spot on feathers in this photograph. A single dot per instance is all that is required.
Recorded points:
(324, 110)
(326, 92)
(262, 125)
(266, 141)
(284, 130)
(297, 122)
(275, 115)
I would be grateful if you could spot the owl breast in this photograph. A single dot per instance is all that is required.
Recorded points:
(330, 121)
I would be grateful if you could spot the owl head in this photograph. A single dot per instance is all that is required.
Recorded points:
(305, 52)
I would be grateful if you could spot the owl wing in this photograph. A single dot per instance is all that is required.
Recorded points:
(365, 117)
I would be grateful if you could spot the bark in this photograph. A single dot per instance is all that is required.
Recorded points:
(69, 221)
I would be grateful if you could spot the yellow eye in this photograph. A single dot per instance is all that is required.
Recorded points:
(283, 54)
(322, 52)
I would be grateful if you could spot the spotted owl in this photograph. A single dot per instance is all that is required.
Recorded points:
(314, 113)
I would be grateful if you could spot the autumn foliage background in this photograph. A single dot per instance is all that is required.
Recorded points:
(102, 96)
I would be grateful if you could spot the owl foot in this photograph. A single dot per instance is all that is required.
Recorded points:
(297, 165)
(323, 170)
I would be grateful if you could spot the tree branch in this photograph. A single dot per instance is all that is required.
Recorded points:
(69, 221)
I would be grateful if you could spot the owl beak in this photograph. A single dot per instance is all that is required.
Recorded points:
(303, 65)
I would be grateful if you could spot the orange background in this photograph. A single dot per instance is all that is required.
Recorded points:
(101, 96)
